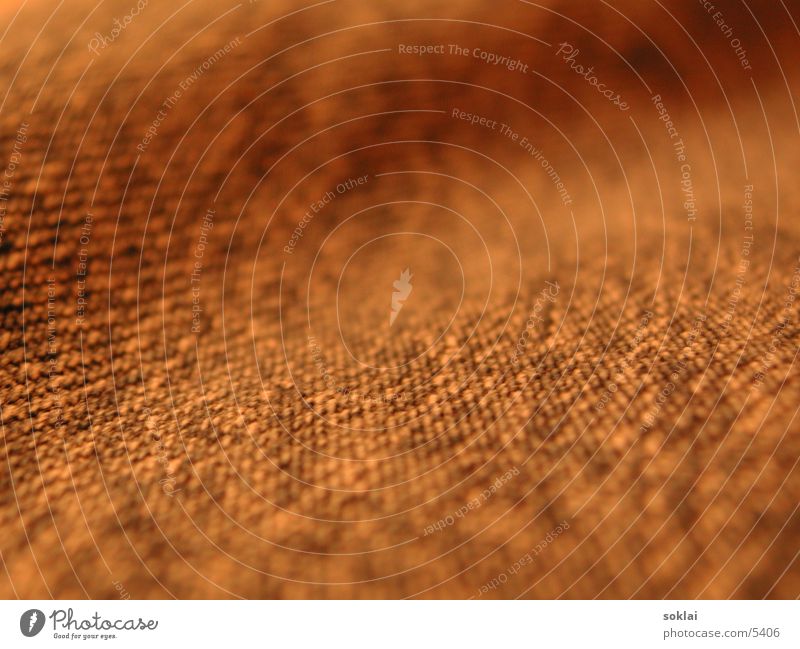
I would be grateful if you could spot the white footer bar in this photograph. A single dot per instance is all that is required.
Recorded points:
(401, 624)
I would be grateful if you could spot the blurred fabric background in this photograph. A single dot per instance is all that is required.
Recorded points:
(588, 391)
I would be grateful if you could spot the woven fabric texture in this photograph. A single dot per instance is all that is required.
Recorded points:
(218, 379)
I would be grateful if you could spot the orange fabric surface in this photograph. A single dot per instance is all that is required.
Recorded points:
(294, 308)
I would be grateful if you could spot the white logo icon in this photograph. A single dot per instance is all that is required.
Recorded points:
(402, 289)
